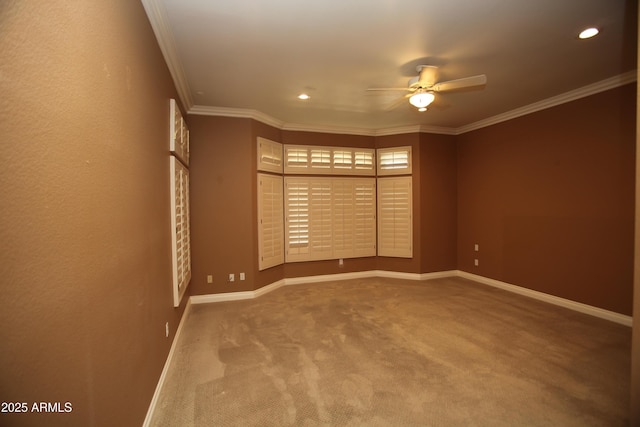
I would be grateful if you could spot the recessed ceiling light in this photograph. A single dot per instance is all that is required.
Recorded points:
(303, 96)
(588, 33)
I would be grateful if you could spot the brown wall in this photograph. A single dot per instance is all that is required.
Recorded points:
(85, 255)
(223, 202)
(549, 197)
(438, 203)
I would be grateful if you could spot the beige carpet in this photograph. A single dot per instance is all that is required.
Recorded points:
(386, 352)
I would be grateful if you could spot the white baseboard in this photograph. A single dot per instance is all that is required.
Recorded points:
(165, 369)
(551, 299)
(573, 305)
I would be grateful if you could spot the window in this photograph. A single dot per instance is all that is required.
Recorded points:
(300, 159)
(394, 161)
(270, 217)
(328, 218)
(181, 231)
(354, 220)
(395, 224)
(269, 156)
(178, 133)
(363, 160)
(320, 159)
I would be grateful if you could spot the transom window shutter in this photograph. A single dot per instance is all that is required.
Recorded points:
(296, 158)
(270, 217)
(363, 160)
(342, 159)
(395, 237)
(178, 133)
(269, 155)
(394, 161)
(321, 159)
(300, 160)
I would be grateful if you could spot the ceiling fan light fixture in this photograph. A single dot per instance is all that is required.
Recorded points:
(303, 96)
(422, 99)
(422, 109)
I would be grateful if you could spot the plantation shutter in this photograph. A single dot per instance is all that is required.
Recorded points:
(364, 239)
(395, 237)
(270, 217)
(269, 155)
(181, 235)
(363, 160)
(343, 217)
(320, 221)
(394, 161)
(178, 133)
(296, 219)
(354, 219)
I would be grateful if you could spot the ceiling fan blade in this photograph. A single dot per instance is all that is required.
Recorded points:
(465, 82)
(398, 102)
(390, 88)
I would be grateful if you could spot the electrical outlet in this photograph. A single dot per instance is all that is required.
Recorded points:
(341, 262)
(166, 329)
(209, 278)
(475, 262)
(232, 277)
(476, 247)
(242, 277)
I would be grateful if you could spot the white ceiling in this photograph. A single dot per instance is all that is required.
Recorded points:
(252, 58)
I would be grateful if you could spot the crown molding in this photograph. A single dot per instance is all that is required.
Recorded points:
(157, 15)
(582, 92)
(328, 129)
(244, 113)
(204, 110)
(592, 89)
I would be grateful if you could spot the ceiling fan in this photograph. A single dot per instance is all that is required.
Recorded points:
(422, 88)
